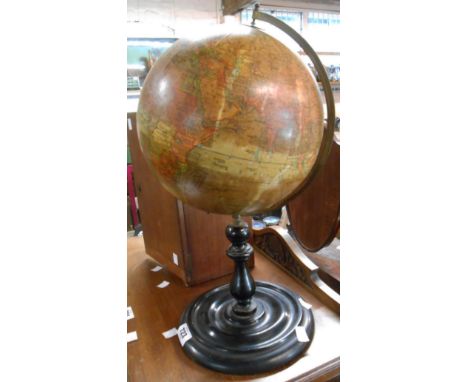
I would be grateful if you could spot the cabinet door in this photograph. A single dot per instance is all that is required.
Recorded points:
(158, 209)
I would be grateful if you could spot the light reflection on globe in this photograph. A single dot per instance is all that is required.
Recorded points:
(230, 123)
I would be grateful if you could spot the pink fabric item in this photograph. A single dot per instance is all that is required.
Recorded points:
(131, 194)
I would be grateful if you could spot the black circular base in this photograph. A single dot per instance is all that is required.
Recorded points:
(245, 344)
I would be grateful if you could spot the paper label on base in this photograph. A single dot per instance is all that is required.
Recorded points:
(157, 268)
(184, 334)
(305, 304)
(130, 314)
(132, 336)
(163, 284)
(301, 334)
(175, 259)
(170, 333)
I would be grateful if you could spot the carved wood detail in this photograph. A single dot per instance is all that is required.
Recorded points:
(277, 244)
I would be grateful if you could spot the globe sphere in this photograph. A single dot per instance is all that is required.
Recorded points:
(230, 122)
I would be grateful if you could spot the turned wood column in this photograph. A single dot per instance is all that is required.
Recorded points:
(242, 286)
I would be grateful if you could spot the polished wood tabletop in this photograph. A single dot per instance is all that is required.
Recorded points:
(153, 358)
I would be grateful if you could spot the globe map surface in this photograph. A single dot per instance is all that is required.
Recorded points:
(232, 122)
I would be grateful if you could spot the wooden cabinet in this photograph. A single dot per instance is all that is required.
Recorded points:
(175, 232)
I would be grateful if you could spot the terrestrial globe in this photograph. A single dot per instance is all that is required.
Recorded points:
(231, 122)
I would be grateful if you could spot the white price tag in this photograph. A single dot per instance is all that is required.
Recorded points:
(175, 259)
(170, 333)
(129, 123)
(163, 284)
(301, 334)
(157, 268)
(130, 314)
(132, 336)
(184, 334)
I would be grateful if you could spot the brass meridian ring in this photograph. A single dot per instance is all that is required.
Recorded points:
(328, 135)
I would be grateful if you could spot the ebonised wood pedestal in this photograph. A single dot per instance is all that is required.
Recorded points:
(236, 323)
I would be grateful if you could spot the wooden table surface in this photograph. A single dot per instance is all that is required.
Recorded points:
(152, 358)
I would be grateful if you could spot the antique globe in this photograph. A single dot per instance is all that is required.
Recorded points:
(231, 122)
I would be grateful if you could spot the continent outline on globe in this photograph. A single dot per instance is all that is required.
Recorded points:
(231, 123)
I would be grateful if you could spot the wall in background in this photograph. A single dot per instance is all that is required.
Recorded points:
(170, 18)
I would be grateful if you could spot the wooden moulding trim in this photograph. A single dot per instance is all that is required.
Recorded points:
(325, 290)
(291, 243)
(328, 370)
(186, 258)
